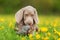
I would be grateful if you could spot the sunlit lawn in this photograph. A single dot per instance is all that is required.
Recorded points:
(49, 29)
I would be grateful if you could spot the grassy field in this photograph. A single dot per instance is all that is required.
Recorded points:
(49, 29)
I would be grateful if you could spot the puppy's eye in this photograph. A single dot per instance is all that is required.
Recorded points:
(26, 14)
(32, 15)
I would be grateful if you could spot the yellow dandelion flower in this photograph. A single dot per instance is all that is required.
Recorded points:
(37, 36)
(58, 39)
(2, 20)
(31, 39)
(54, 24)
(48, 33)
(44, 29)
(23, 38)
(57, 32)
(30, 35)
(46, 38)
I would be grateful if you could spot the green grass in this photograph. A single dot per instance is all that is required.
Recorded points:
(52, 23)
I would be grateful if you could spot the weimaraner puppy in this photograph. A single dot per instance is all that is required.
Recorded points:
(26, 18)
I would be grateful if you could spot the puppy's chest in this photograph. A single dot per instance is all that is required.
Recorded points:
(26, 29)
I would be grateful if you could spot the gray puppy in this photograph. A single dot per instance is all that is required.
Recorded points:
(26, 15)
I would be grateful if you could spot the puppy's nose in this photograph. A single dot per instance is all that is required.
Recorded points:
(29, 23)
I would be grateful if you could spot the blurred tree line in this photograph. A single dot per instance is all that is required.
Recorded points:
(43, 6)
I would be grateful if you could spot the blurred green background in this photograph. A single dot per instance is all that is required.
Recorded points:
(49, 23)
(45, 7)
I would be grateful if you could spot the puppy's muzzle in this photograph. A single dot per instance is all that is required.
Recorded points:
(29, 21)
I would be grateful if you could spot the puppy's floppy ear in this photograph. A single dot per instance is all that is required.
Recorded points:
(19, 15)
(35, 16)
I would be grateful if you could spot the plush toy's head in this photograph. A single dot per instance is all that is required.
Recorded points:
(24, 30)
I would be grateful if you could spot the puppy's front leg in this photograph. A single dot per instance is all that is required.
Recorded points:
(36, 28)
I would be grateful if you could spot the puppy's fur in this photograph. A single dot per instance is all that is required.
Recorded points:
(27, 16)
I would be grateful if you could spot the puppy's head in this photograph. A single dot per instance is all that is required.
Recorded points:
(27, 15)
